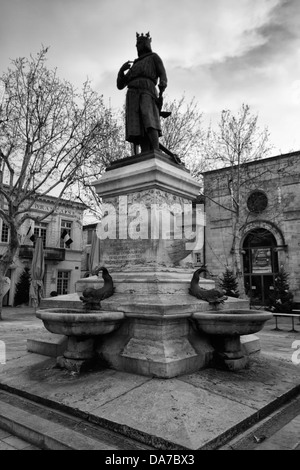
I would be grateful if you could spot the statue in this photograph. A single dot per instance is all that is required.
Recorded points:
(143, 103)
(212, 296)
(91, 297)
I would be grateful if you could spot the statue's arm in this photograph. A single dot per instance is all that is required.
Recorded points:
(122, 79)
(161, 73)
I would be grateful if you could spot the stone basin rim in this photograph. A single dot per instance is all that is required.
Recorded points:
(78, 315)
(236, 315)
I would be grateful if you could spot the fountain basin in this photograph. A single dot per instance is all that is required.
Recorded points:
(232, 322)
(82, 328)
(225, 329)
(76, 322)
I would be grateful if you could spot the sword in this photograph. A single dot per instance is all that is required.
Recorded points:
(163, 114)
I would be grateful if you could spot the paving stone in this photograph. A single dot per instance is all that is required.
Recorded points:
(264, 380)
(5, 446)
(269, 445)
(175, 411)
(288, 436)
(15, 442)
(189, 411)
(31, 448)
(4, 434)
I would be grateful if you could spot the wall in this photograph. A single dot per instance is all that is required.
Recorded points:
(278, 177)
(69, 211)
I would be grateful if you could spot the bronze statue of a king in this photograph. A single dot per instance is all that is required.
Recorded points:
(143, 102)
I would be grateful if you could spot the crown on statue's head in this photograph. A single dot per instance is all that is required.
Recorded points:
(142, 37)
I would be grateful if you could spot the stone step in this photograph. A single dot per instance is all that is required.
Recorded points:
(50, 429)
(48, 344)
(262, 431)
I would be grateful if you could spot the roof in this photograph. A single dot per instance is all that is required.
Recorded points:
(254, 162)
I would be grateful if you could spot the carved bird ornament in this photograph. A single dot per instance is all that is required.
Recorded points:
(212, 296)
(103, 292)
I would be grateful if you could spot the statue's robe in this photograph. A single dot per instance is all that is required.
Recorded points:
(142, 110)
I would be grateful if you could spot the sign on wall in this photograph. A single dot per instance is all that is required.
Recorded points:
(261, 260)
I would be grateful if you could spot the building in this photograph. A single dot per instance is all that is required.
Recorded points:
(62, 260)
(87, 235)
(268, 234)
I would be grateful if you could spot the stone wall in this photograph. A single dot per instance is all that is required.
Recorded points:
(279, 179)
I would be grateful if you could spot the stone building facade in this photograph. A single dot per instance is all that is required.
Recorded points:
(62, 262)
(87, 235)
(268, 223)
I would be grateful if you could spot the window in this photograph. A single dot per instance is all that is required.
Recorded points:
(198, 258)
(40, 230)
(65, 226)
(4, 232)
(90, 236)
(257, 202)
(63, 282)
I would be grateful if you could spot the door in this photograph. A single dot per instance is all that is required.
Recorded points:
(260, 261)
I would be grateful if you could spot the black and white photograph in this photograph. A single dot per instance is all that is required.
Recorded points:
(149, 228)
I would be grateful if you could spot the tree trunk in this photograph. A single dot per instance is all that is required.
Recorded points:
(2, 276)
(236, 258)
(7, 260)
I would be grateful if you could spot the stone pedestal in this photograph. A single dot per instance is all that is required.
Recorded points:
(147, 206)
(79, 354)
(229, 353)
(146, 246)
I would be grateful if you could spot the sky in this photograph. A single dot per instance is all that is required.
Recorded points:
(223, 53)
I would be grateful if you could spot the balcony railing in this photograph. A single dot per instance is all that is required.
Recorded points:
(51, 254)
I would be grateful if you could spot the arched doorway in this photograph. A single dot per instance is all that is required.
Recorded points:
(260, 264)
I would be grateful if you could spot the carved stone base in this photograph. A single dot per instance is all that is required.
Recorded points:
(75, 365)
(79, 355)
(156, 346)
(232, 364)
(80, 348)
(229, 352)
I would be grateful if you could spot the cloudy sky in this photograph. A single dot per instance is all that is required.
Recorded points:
(223, 53)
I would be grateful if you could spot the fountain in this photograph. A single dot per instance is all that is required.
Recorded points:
(225, 330)
(155, 327)
(151, 325)
(82, 329)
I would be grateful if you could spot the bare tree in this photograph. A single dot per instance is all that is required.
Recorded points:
(237, 141)
(50, 137)
(110, 147)
(183, 133)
